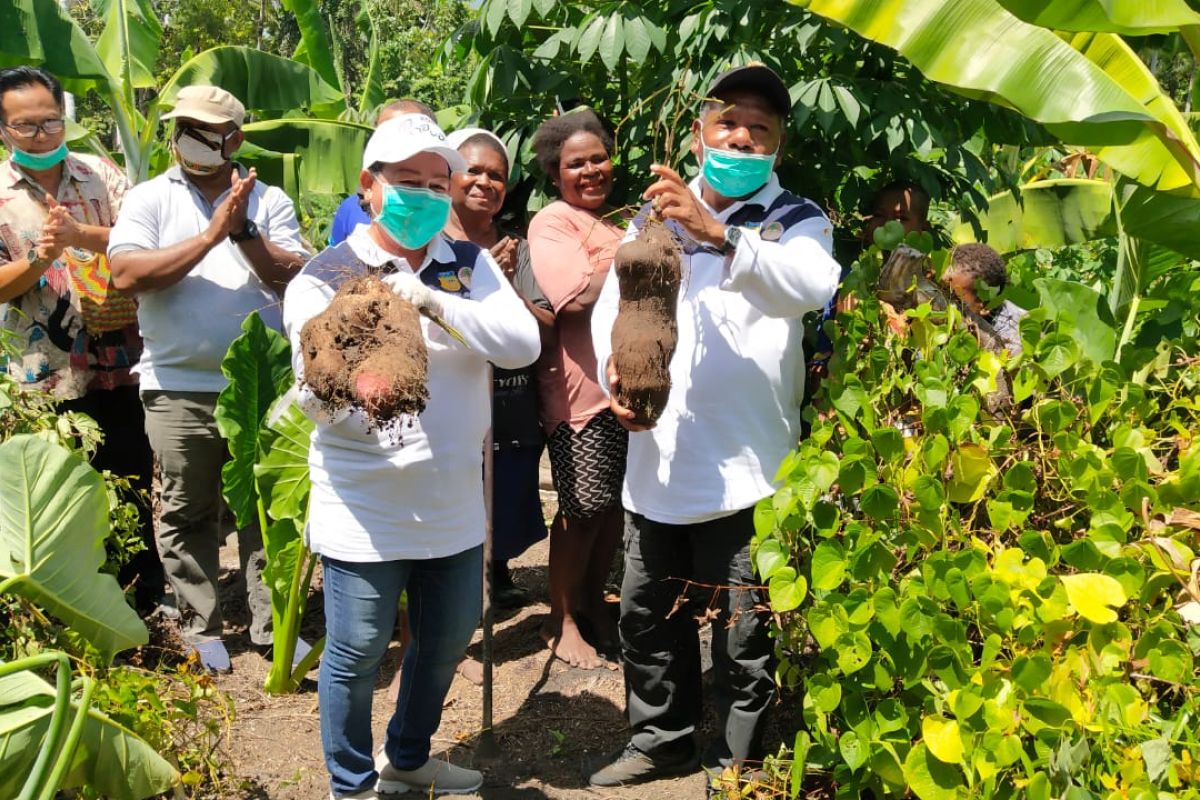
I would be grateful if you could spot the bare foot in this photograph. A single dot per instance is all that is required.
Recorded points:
(472, 670)
(568, 644)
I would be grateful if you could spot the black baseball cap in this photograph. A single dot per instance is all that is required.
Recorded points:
(757, 78)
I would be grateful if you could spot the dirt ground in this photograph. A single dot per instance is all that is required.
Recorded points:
(551, 721)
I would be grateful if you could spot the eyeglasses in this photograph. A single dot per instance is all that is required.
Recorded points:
(28, 130)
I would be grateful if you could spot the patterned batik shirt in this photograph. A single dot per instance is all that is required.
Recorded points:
(74, 331)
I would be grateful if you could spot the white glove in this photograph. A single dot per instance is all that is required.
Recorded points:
(408, 286)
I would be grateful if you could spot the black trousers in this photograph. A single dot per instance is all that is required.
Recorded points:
(661, 643)
(125, 452)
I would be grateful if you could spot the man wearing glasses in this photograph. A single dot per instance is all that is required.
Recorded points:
(201, 246)
(76, 337)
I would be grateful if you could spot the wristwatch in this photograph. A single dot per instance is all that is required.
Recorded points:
(36, 261)
(250, 231)
(733, 235)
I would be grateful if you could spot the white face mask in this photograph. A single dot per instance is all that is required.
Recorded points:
(195, 156)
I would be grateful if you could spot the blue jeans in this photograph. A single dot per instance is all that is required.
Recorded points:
(444, 601)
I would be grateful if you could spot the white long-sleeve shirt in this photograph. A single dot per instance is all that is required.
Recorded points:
(737, 376)
(415, 492)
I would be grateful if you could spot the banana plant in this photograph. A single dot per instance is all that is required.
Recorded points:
(122, 61)
(266, 481)
(53, 523)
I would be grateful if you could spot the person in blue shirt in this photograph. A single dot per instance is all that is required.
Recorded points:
(350, 214)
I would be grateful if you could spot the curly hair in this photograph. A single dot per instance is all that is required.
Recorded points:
(980, 263)
(551, 134)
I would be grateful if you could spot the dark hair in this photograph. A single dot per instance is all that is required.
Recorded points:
(919, 195)
(482, 139)
(407, 105)
(554, 132)
(978, 262)
(12, 78)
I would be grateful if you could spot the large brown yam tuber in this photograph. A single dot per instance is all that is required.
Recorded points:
(366, 351)
(644, 333)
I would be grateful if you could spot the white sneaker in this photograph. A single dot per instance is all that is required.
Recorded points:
(432, 777)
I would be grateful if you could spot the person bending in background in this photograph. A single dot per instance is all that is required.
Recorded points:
(977, 266)
(572, 243)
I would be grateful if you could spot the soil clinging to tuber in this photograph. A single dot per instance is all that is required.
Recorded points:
(366, 351)
(644, 334)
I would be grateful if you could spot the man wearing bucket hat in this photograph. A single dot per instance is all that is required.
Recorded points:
(202, 246)
(389, 515)
(78, 339)
(756, 258)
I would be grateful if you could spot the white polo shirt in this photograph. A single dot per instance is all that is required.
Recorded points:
(415, 492)
(737, 376)
(188, 326)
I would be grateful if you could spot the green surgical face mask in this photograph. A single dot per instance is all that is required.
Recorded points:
(733, 174)
(39, 162)
(412, 217)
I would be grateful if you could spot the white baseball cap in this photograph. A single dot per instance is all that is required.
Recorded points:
(401, 138)
(461, 135)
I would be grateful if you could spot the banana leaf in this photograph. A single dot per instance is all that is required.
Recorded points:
(1049, 214)
(40, 33)
(110, 759)
(1092, 90)
(258, 366)
(53, 523)
(1129, 17)
(130, 40)
(330, 151)
(1168, 219)
(315, 48)
(263, 82)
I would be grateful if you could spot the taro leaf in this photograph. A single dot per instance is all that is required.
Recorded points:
(971, 471)
(1094, 596)
(110, 760)
(853, 749)
(258, 366)
(828, 566)
(929, 778)
(787, 590)
(53, 523)
(281, 543)
(943, 739)
(282, 471)
(769, 559)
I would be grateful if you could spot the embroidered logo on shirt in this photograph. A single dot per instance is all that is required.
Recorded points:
(464, 276)
(449, 282)
(772, 231)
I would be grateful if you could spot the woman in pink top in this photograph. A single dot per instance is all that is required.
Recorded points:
(572, 242)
